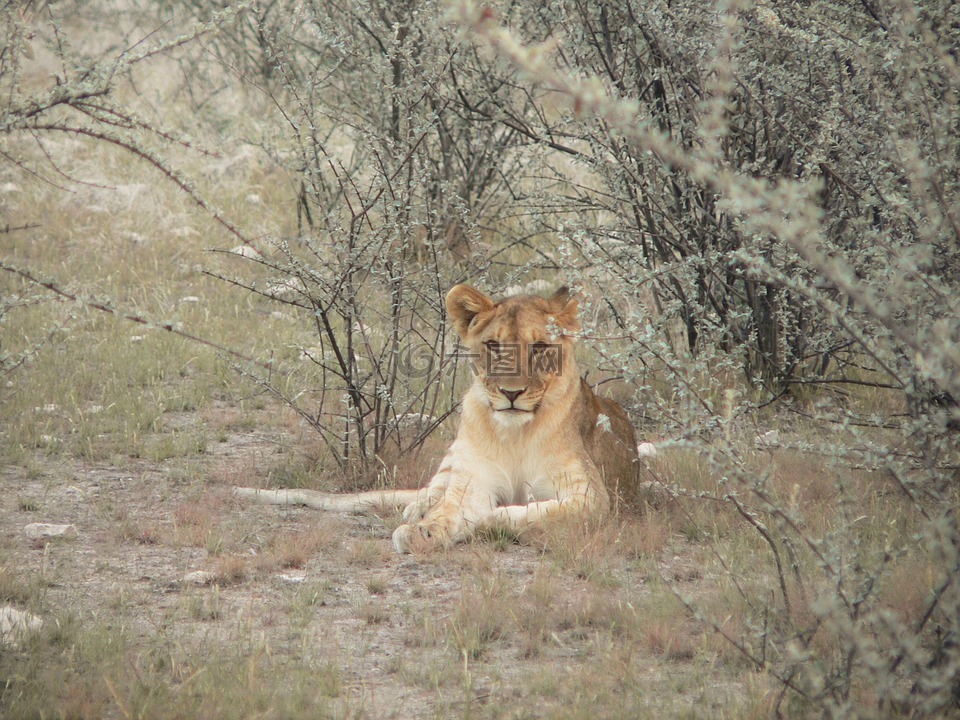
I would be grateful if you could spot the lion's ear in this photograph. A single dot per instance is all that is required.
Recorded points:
(464, 303)
(567, 310)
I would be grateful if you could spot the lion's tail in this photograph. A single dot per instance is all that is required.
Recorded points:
(352, 502)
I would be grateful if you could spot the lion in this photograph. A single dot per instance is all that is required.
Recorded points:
(534, 442)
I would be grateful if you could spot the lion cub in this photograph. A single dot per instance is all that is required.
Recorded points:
(534, 441)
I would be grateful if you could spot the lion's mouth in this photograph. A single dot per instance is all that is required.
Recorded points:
(509, 409)
(513, 409)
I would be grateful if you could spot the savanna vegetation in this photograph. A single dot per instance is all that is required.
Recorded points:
(226, 232)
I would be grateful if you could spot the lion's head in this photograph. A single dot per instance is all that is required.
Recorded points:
(522, 348)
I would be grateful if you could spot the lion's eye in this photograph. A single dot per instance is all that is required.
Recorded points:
(539, 348)
(492, 345)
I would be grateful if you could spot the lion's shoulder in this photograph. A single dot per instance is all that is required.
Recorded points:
(609, 439)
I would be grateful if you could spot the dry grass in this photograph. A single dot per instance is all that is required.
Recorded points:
(643, 538)
(200, 522)
(144, 532)
(230, 569)
(593, 604)
(292, 550)
(583, 546)
(478, 619)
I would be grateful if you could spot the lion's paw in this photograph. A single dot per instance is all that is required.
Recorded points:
(419, 537)
(426, 500)
(403, 538)
(415, 511)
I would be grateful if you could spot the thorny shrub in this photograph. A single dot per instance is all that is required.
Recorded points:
(783, 181)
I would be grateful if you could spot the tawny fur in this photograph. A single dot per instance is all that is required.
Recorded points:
(534, 441)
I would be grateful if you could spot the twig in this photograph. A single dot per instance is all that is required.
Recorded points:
(132, 317)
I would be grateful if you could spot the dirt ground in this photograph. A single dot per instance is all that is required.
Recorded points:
(478, 627)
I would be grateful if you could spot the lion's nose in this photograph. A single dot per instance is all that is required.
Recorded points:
(511, 395)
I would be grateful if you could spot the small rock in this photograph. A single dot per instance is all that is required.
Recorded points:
(767, 439)
(44, 531)
(190, 299)
(199, 577)
(254, 199)
(292, 579)
(14, 624)
(647, 449)
(136, 338)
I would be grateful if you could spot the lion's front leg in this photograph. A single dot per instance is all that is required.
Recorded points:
(580, 498)
(459, 508)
